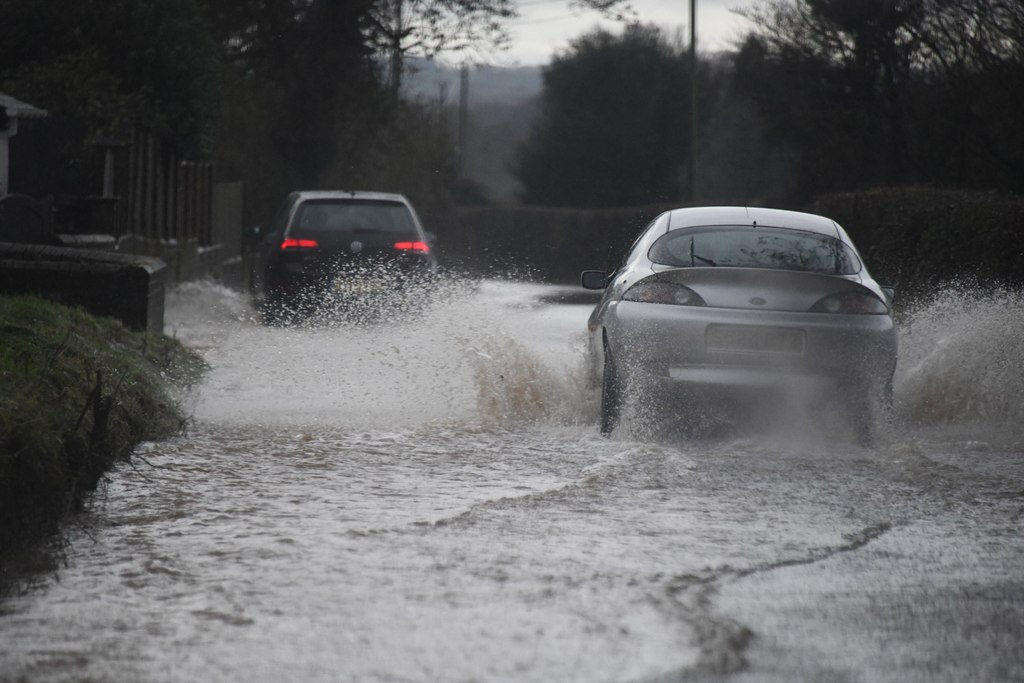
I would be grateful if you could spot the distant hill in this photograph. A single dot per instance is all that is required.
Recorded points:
(487, 84)
(502, 104)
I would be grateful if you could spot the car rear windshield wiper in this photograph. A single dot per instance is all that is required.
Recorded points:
(695, 257)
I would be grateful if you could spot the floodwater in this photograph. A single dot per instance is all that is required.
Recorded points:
(429, 500)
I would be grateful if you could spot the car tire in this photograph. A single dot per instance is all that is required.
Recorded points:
(863, 422)
(273, 310)
(870, 410)
(611, 395)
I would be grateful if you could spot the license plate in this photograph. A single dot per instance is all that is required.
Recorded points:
(754, 338)
(359, 286)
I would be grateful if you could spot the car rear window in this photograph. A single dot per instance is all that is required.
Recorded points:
(360, 216)
(745, 247)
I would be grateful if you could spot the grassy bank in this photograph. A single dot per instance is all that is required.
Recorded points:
(76, 394)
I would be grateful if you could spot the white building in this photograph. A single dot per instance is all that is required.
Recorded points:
(10, 111)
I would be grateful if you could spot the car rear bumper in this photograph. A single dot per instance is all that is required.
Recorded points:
(321, 276)
(752, 379)
(723, 348)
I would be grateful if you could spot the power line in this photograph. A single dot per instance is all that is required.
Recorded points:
(692, 180)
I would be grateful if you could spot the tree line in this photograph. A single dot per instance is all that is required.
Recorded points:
(821, 96)
(282, 94)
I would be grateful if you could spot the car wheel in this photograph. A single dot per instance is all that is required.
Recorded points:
(863, 422)
(870, 409)
(273, 310)
(611, 396)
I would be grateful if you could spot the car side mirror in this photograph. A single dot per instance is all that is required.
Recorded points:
(255, 234)
(594, 279)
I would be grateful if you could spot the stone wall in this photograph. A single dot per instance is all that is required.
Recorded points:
(123, 286)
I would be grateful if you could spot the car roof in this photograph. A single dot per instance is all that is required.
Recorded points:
(368, 195)
(710, 216)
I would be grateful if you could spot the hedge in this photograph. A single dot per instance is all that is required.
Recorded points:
(916, 237)
(552, 245)
(910, 237)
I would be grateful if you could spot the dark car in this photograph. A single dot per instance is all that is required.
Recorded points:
(343, 251)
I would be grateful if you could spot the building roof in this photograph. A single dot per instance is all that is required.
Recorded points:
(22, 110)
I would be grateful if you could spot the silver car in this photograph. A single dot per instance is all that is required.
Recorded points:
(735, 302)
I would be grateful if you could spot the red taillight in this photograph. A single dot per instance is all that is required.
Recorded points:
(850, 302)
(658, 292)
(292, 243)
(418, 247)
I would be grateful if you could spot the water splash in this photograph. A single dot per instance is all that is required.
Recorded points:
(962, 360)
(515, 385)
(473, 352)
(489, 354)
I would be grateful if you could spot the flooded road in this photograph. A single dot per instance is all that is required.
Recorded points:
(430, 500)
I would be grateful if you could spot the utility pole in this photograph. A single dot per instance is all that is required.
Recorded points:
(396, 49)
(463, 116)
(692, 180)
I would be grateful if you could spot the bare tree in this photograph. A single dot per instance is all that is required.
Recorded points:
(425, 28)
(909, 90)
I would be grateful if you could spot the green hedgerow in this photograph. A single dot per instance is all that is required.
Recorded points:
(76, 393)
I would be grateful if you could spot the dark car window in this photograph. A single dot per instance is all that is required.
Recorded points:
(744, 247)
(355, 216)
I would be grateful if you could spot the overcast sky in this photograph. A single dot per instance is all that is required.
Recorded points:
(545, 27)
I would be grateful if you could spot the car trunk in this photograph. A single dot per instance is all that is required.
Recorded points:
(759, 289)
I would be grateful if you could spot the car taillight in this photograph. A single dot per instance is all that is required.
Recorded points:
(650, 292)
(418, 247)
(293, 243)
(850, 302)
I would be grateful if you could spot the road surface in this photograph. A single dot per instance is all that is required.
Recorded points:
(430, 500)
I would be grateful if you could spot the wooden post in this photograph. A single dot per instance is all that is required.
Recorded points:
(692, 194)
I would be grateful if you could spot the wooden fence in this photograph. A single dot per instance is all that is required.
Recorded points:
(168, 198)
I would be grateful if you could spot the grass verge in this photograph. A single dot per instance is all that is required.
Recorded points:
(77, 393)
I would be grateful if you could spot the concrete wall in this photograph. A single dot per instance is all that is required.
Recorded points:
(123, 286)
(544, 243)
(113, 247)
